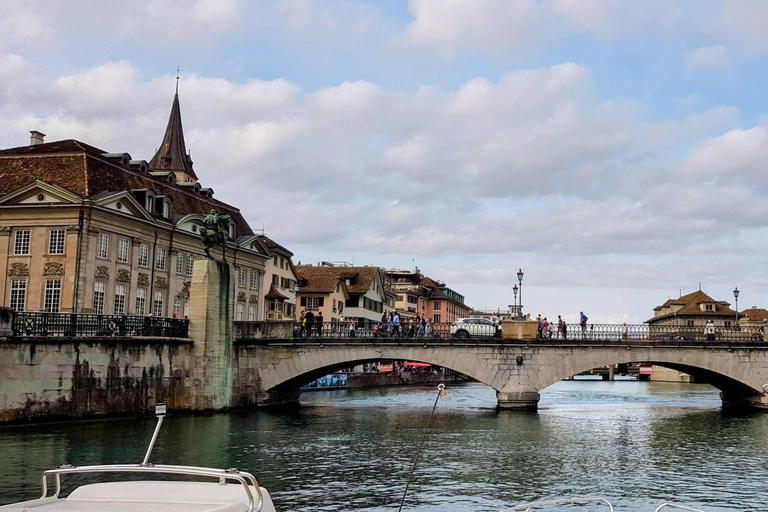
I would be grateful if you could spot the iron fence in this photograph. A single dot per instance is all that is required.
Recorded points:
(27, 323)
(615, 333)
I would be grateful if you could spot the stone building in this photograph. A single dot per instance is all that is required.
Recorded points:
(692, 310)
(84, 230)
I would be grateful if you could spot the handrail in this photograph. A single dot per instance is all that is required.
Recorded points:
(679, 507)
(566, 501)
(222, 474)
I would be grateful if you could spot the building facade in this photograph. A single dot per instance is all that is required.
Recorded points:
(692, 310)
(84, 230)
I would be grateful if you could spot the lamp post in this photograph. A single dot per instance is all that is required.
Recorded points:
(736, 296)
(520, 280)
(514, 290)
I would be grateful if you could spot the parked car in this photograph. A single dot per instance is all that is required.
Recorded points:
(466, 327)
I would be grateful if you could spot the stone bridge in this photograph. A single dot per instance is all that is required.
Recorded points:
(271, 371)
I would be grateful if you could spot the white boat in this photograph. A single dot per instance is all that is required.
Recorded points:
(232, 490)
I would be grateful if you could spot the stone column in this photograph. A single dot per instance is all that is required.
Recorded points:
(212, 330)
(518, 400)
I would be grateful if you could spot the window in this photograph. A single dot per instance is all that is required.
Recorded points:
(52, 295)
(242, 277)
(157, 308)
(160, 258)
(690, 323)
(56, 241)
(255, 279)
(239, 313)
(334, 305)
(727, 323)
(708, 307)
(167, 209)
(150, 203)
(21, 245)
(232, 230)
(437, 319)
(18, 294)
(103, 249)
(282, 262)
(275, 261)
(179, 263)
(144, 255)
(438, 305)
(272, 304)
(122, 250)
(186, 309)
(275, 279)
(314, 302)
(177, 305)
(251, 313)
(141, 301)
(98, 297)
(190, 264)
(120, 290)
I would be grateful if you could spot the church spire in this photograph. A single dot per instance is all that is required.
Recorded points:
(172, 154)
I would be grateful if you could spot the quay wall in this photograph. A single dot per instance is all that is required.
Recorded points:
(48, 378)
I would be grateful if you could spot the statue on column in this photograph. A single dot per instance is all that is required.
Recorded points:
(215, 231)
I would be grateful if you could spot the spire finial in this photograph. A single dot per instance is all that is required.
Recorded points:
(178, 69)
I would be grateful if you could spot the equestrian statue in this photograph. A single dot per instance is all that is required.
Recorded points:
(215, 231)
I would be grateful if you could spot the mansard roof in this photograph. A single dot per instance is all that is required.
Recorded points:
(85, 171)
(172, 154)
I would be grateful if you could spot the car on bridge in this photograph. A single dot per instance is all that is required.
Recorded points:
(466, 327)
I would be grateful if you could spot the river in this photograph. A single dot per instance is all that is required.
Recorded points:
(636, 443)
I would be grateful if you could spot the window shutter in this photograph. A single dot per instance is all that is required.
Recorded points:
(303, 301)
(320, 302)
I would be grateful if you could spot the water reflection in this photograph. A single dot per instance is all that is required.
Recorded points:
(637, 444)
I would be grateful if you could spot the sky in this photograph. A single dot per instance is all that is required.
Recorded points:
(614, 150)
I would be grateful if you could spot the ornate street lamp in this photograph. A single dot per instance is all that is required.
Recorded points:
(736, 296)
(514, 290)
(520, 280)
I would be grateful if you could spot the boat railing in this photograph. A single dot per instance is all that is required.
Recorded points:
(242, 477)
(566, 501)
(678, 507)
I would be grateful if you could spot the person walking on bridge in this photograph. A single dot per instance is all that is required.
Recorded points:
(559, 326)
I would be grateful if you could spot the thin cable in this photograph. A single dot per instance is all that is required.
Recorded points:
(440, 389)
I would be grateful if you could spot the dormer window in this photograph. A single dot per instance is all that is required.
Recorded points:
(167, 209)
(232, 230)
(149, 204)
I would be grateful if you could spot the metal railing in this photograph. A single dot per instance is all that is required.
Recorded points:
(27, 323)
(245, 479)
(607, 333)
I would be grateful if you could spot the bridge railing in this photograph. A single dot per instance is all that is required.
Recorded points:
(445, 331)
(26, 323)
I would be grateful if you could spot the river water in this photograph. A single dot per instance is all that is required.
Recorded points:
(636, 443)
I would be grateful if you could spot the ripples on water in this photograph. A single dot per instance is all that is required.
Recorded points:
(637, 444)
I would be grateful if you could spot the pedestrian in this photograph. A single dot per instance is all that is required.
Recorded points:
(565, 330)
(308, 320)
(396, 325)
(352, 327)
(411, 328)
(538, 327)
(560, 323)
(583, 323)
(709, 330)
(319, 323)
(624, 332)
(390, 321)
(428, 328)
(421, 325)
(544, 328)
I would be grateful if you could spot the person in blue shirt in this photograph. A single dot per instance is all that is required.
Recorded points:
(583, 323)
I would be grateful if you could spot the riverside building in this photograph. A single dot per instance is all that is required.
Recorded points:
(88, 231)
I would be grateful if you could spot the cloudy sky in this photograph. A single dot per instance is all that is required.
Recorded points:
(615, 150)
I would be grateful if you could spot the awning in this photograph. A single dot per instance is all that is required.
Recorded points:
(417, 364)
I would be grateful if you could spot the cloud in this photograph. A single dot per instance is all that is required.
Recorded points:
(531, 165)
(709, 58)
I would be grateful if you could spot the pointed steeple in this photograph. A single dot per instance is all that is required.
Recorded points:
(172, 154)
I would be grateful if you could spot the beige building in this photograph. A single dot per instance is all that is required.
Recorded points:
(322, 291)
(281, 282)
(88, 231)
(692, 310)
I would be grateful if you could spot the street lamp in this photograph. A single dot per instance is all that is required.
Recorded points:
(514, 290)
(736, 296)
(520, 280)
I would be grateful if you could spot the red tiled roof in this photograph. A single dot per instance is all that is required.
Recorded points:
(690, 306)
(81, 169)
(755, 314)
(326, 278)
(274, 294)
